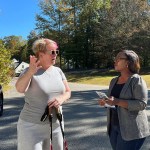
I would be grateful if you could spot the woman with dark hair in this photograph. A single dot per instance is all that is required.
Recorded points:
(127, 124)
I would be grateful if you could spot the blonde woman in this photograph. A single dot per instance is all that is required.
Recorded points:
(43, 84)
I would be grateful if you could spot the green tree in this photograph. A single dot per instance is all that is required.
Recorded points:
(14, 44)
(5, 65)
(90, 32)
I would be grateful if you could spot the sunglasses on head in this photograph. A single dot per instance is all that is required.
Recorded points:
(53, 52)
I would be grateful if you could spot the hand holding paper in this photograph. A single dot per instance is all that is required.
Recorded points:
(105, 97)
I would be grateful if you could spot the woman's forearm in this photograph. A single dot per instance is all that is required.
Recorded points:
(23, 82)
(62, 98)
(59, 100)
(121, 103)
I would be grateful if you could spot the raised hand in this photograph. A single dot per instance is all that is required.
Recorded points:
(34, 65)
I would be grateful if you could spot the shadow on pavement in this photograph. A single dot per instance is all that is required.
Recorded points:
(8, 122)
(85, 122)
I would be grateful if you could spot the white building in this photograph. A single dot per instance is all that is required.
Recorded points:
(21, 67)
(15, 63)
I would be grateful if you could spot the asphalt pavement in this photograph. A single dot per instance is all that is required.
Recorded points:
(85, 120)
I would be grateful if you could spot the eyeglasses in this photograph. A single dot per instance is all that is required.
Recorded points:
(53, 52)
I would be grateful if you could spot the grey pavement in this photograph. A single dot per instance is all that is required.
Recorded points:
(85, 121)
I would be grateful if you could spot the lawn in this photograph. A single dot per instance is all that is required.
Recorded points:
(98, 77)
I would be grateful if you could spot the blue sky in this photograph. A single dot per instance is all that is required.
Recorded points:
(17, 17)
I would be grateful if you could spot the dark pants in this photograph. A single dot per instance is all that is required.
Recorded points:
(118, 143)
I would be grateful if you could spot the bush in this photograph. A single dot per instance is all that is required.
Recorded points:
(5, 65)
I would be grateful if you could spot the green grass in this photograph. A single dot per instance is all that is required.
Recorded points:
(147, 79)
(98, 77)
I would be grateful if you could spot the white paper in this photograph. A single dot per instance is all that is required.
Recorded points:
(104, 96)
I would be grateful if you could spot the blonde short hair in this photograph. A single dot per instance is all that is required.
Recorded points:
(40, 45)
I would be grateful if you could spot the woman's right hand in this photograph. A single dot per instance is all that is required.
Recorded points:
(34, 65)
(23, 82)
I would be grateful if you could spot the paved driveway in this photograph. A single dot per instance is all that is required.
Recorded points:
(85, 121)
